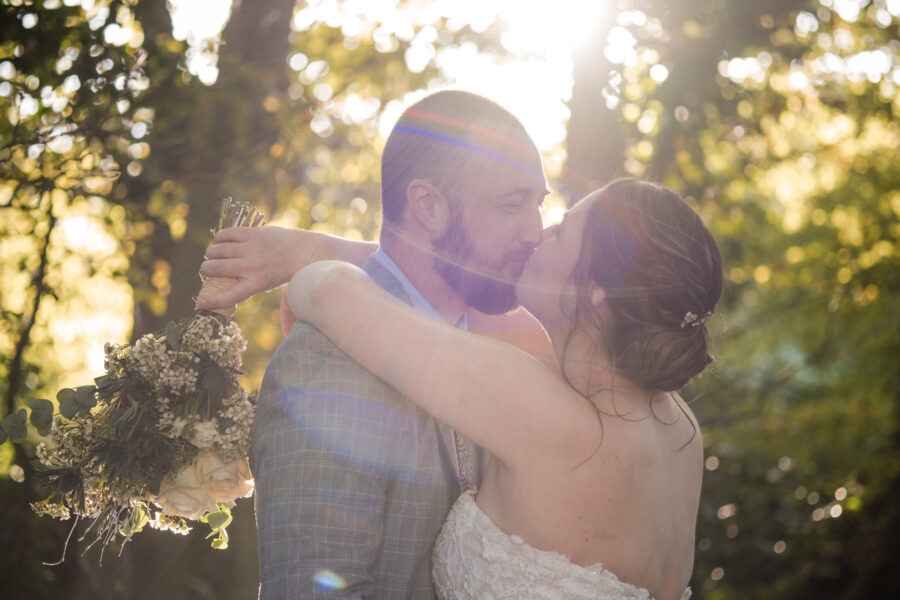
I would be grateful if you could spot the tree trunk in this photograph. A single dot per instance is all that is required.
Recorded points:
(207, 139)
(204, 140)
(595, 142)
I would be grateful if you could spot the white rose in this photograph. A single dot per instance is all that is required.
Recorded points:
(195, 489)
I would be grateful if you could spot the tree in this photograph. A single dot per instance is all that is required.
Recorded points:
(69, 80)
(142, 152)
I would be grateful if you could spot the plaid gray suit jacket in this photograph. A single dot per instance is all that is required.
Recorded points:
(352, 479)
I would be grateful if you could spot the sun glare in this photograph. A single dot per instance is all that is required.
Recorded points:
(196, 22)
(532, 77)
(553, 31)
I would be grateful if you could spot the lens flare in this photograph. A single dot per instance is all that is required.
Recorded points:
(328, 581)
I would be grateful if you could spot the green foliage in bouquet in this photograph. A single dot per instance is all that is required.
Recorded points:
(117, 446)
(161, 438)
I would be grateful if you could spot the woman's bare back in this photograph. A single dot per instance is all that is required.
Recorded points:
(631, 505)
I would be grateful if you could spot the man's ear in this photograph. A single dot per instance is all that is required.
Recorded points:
(598, 295)
(427, 206)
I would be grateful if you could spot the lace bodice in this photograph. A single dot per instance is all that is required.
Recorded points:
(474, 559)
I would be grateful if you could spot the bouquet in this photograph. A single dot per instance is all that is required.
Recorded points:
(162, 438)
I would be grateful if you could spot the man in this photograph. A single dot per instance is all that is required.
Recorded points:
(354, 481)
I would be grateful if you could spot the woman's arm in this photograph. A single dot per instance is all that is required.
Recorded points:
(263, 258)
(494, 394)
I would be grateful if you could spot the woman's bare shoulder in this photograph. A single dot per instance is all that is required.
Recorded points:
(518, 328)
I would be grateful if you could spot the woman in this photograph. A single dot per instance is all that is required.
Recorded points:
(593, 480)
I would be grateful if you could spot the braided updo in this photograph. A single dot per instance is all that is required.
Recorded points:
(656, 262)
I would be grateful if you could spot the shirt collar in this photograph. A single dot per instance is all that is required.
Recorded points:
(418, 300)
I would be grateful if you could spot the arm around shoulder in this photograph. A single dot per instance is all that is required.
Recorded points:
(498, 396)
(263, 258)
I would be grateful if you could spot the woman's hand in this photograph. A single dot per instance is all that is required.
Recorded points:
(260, 258)
(263, 258)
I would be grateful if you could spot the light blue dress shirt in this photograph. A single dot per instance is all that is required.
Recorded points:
(418, 300)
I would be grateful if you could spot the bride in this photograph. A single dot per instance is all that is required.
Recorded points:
(592, 483)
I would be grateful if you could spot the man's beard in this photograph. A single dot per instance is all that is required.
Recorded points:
(492, 294)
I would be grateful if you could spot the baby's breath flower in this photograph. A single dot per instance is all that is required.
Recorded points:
(205, 434)
(165, 401)
(164, 522)
(46, 508)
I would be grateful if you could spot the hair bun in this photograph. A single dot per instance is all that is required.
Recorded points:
(661, 270)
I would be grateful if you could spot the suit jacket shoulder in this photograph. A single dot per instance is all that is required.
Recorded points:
(351, 477)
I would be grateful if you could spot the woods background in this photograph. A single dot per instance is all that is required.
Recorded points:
(777, 120)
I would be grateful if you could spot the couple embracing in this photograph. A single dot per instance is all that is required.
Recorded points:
(485, 409)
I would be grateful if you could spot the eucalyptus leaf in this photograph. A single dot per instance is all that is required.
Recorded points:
(84, 396)
(13, 420)
(68, 407)
(15, 426)
(65, 393)
(3, 435)
(41, 415)
(135, 523)
(221, 542)
(172, 337)
(85, 399)
(218, 519)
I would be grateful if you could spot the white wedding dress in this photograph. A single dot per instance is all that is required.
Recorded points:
(474, 559)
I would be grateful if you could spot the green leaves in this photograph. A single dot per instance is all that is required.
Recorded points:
(67, 404)
(135, 522)
(172, 338)
(217, 522)
(77, 402)
(41, 415)
(14, 426)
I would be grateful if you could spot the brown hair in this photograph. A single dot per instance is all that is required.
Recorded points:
(444, 138)
(656, 262)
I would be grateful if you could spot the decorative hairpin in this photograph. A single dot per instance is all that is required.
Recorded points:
(692, 320)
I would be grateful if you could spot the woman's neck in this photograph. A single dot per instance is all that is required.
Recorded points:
(583, 362)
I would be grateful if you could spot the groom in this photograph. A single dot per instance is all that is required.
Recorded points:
(353, 481)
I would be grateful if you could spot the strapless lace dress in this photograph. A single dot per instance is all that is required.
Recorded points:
(474, 559)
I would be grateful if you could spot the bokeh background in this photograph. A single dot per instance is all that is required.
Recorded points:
(124, 123)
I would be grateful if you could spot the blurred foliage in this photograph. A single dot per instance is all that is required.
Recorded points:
(778, 122)
(114, 161)
(776, 119)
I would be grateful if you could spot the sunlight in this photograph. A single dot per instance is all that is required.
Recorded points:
(86, 235)
(533, 79)
(554, 215)
(531, 29)
(200, 23)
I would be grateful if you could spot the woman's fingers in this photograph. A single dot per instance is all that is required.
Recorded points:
(212, 267)
(225, 250)
(232, 234)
